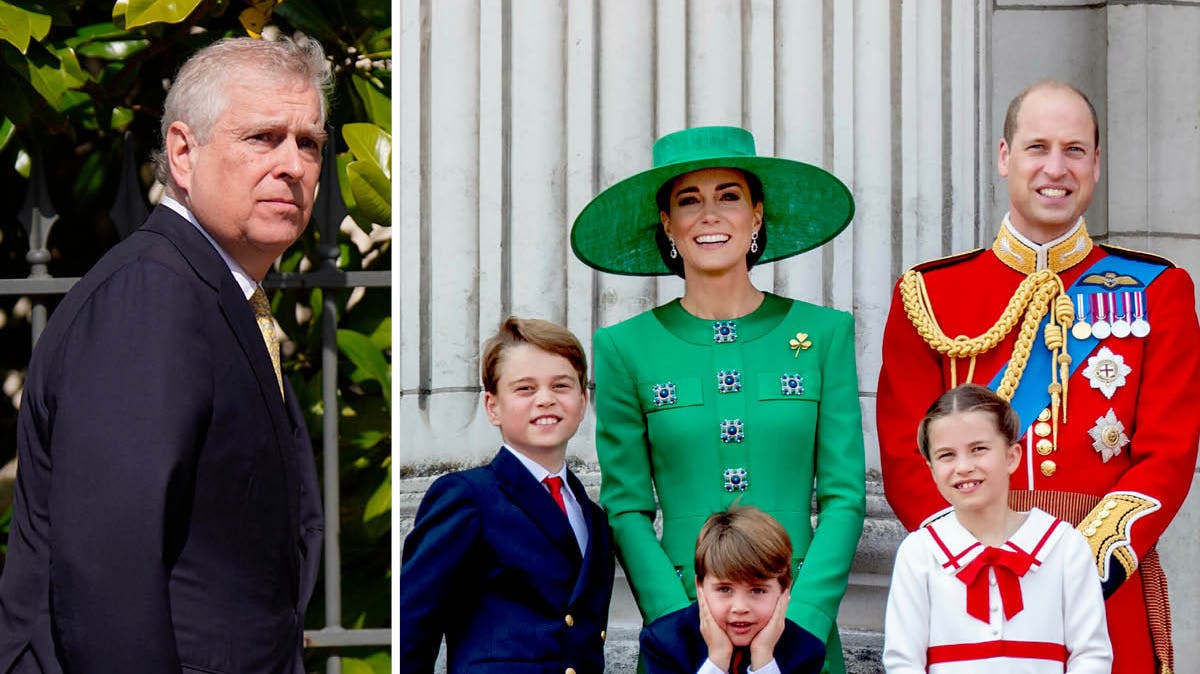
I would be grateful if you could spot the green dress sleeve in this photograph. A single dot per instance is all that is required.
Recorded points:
(841, 492)
(626, 484)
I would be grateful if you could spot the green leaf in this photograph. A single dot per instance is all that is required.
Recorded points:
(46, 72)
(356, 666)
(382, 336)
(380, 503)
(121, 118)
(306, 16)
(368, 141)
(112, 50)
(135, 13)
(7, 128)
(375, 102)
(367, 358)
(372, 191)
(18, 26)
(71, 69)
(343, 160)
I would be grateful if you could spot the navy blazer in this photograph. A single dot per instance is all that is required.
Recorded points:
(167, 515)
(673, 645)
(492, 564)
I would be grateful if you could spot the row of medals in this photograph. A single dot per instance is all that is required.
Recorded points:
(1113, 313)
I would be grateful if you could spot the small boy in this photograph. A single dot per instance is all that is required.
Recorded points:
(738, 624)
(511, 561)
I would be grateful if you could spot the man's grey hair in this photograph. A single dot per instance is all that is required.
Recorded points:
(197, 96)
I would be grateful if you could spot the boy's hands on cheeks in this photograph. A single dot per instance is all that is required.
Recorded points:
(762, 648)
(720, 648)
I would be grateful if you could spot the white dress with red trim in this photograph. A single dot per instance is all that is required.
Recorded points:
(1031, 606)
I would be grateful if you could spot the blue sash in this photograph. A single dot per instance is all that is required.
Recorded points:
(1031, 396)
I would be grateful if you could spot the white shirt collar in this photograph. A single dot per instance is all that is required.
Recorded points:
(536, 469)
(244, 281)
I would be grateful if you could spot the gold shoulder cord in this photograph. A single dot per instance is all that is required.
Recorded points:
(1028, 304)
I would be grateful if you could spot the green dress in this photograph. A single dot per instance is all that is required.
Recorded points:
(705, 412)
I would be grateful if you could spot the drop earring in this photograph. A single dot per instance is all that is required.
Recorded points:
(754, 242)
(674, 253)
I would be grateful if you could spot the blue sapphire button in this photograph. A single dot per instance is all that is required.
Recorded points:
(791, 385)
(664, 394)
(729, 381)
(724, 332)
(732, 430)
(736, 479)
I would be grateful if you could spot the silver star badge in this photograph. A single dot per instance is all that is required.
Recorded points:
(1108, 436)
(1106, 371)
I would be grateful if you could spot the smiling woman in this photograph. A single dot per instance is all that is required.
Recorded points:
(705, 397)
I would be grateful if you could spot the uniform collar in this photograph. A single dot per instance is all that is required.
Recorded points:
(1025, 256)
(955, 547)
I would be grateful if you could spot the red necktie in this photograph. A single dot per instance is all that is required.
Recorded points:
(735, 662)
(1009, 566)
(555, 483)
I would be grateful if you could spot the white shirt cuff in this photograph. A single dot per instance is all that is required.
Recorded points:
(709, 667)
(771, 667)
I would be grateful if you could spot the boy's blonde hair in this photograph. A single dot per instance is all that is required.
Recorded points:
(970, 398)
(744, 545)
(545, 335)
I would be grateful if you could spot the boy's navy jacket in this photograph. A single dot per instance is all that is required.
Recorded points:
(673, 645)
(493, 564)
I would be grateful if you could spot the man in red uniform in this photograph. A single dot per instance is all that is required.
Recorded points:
(1097, 348)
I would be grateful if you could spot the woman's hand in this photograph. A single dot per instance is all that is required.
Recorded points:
(762, 648)
(720, 648)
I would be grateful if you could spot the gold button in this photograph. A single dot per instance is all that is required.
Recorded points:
(1097, 524)
(603, 635)
(1041, 429)
(1048, 468)
(1104, 512)
(1112, 503)
(570, 620)
(1045, 415)
(1044, 446)
(1090, 531)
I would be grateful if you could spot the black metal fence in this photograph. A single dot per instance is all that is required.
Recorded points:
(38, 216)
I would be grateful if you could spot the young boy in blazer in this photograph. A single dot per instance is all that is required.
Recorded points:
(511, 561)
(737, 624)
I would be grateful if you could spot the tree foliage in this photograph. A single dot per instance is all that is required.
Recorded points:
(83, 84)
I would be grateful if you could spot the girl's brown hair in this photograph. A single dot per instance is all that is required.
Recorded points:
(970, 398)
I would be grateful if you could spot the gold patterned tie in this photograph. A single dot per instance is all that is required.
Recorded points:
(266, 325)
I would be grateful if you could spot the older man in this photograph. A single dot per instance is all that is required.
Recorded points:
(1095, 346)
(167, 516)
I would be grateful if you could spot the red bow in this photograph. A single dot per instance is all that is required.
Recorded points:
(1009, 566)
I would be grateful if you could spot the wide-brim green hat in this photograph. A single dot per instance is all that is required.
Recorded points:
(803, 205)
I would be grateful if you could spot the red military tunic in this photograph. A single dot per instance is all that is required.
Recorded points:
(1121, 466)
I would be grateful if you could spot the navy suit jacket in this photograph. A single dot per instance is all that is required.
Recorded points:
(167, 515)
(492, 564)
(673, 645)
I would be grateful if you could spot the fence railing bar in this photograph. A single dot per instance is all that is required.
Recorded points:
(49, 285)
(338, 637)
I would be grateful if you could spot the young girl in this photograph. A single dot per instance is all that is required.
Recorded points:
(986, 588)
